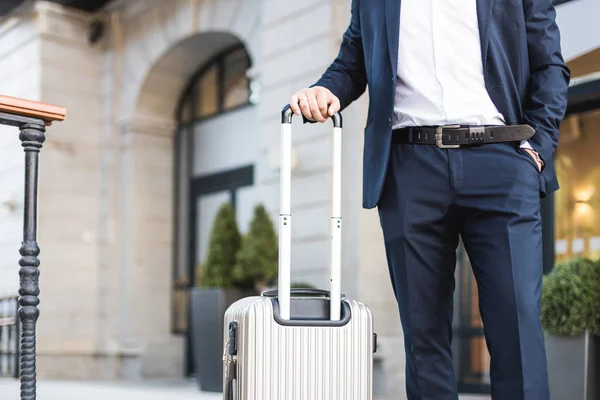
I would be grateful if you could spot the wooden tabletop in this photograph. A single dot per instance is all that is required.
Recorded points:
(28, 108)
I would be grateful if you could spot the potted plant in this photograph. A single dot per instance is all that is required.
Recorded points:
(234, 268)
(215, 291)
(570, 315)
(256, 261)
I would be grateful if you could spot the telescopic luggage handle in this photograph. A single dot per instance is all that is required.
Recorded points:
(304, 292)
(285, 218)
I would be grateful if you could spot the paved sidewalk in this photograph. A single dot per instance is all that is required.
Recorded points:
(58, 390)
(146, 390)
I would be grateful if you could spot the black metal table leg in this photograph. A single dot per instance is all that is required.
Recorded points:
(17, 372)
(32, 138)
(31, 118)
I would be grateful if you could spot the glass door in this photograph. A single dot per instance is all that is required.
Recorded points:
(577, 230)
(206, 195)
(471, 357)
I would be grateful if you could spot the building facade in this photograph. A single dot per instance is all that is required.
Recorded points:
(166, 101)
(173, 109)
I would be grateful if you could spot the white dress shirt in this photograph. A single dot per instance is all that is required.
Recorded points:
(440, 70)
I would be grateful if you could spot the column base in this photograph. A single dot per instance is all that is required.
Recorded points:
(126, 366)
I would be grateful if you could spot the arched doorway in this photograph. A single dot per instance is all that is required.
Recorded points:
(215, 151)
(171, 136)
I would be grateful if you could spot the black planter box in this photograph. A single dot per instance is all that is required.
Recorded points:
(574, 367)
(208, 308)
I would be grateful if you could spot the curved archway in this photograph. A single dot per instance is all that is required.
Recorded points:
(163, 47)
(220, 85)
(168, 81)
(156, 194)
(214, 161)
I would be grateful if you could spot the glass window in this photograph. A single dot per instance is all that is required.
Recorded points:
(577, 203)
(207, 102)
(223, 85)
(180, 304)
(236, 90)
(471, 354)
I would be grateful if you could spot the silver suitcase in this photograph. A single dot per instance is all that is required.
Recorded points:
(300, 344)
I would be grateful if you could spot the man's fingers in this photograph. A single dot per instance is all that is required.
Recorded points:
(316, 104)
(294, 104)
(335, 106)
(305, 106)
(323, 102)
(314, 108)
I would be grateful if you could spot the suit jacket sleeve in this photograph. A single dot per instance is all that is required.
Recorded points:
(346, 77)
(546, 101)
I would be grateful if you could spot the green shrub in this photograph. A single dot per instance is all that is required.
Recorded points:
(301, 285)
(225, 239)
(571, 298)
(257, 260)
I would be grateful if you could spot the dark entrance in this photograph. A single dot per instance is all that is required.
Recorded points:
(211, 107)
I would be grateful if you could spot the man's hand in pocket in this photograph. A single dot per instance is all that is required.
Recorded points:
(535, 157)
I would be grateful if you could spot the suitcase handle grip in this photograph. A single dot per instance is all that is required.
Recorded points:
(285, 218)
(287, 114)
(301, 292)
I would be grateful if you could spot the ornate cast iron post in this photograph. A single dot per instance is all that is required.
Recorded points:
(32, 137)
(31, 118)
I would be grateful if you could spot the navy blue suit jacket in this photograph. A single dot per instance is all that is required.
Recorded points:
(524, 71)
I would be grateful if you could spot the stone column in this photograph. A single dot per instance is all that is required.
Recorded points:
(146, 229)
(70, 74)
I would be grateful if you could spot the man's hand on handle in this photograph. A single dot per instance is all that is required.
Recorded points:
(316, 103)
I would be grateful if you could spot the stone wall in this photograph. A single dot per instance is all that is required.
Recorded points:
(19, 77)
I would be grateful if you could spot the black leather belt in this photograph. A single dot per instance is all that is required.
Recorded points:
(454, 136)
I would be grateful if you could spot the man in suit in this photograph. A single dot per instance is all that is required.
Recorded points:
(466, 99)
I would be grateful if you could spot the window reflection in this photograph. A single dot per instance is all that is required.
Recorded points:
(208, 93)
(220, 85)
(237, 88)
(577, 231)
(471, 354)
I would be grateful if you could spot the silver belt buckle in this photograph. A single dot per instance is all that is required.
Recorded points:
(438, 137)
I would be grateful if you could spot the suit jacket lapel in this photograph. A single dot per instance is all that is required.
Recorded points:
(484, 12)
(392, 22)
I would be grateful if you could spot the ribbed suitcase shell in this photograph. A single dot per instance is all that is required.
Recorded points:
(276, 362)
